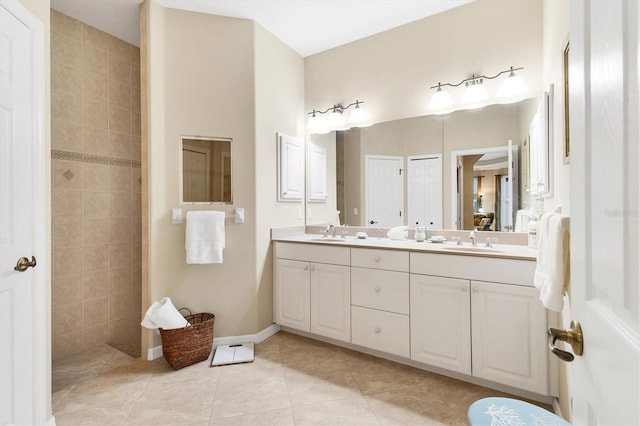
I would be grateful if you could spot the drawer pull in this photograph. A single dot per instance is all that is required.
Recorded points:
(377, 330)
(377, 290)
(306, 267)
(377, 259)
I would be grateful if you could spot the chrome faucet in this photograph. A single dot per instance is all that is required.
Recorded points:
(473, 237)
(331, 228)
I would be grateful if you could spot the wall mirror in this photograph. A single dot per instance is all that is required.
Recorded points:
(206, 170)
(417, 178)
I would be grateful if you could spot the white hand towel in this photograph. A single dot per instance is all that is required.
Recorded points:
(204, 237)
(163, 315)
(552, 270)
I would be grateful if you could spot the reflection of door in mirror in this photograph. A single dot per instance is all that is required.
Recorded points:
(384, 191)
(424, 191)
(206, 170)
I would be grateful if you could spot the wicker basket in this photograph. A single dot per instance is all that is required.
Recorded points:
(186, 346)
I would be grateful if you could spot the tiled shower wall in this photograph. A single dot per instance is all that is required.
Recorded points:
(96, 189)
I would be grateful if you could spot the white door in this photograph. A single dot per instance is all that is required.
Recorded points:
(605, 206)
(331, 301)
(195, 167)
(384, 191)
(424, 191)
(24, 354)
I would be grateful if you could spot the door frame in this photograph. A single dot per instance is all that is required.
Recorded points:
(41, 337)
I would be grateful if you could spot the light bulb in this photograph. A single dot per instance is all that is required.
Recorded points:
(512, 87)
(440, 100)
(357, 116)
(336, 120)
(474, 95)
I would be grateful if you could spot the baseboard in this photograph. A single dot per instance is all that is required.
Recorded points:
(156, 352)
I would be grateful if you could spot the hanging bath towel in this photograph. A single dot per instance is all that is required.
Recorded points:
(204, 236)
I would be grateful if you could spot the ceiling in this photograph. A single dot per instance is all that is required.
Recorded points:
(307, 26)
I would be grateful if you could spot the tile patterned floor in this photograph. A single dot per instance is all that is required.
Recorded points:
(293, 381)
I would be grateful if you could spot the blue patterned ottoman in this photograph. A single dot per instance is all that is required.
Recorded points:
(510, 412)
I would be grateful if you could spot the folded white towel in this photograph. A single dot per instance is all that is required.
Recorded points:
(204, 236)
(552, 270)
(163, 314)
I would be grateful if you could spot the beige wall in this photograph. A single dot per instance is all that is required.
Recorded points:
(96, 189)
(392, 71)
(215, 76)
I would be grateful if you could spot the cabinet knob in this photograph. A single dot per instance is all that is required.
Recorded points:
(377, 330)
(464, 288)
(377, 259)
(306, 267)
(377, 289)
(313, 268)
(476, 290)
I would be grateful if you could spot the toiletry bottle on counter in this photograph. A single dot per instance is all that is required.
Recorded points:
(532, 231)
(420, 235)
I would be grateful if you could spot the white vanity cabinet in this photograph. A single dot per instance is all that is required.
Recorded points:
(380, 300)
(494, 330)
(312, 290)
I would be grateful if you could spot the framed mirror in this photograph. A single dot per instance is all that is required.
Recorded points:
(206, 170)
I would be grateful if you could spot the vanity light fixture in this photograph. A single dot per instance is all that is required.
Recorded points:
(475, 93)
(336, 121)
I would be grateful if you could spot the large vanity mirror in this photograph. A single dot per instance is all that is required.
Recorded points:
(206, 170)
(439, 171)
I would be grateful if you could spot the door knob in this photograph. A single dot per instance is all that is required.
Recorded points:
(24, 264)
(371, 222)
(572, 335)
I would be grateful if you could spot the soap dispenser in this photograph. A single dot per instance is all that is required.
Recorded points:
(420, 234)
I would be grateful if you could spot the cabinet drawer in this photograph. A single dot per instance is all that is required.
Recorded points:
(380, 330)
(390, 260)
(385, 290)
(509, 271)
(313, 253)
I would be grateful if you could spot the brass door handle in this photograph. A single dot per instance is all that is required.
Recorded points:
(24, 264)
(572, 335)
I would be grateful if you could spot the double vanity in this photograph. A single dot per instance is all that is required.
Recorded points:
(467, 312)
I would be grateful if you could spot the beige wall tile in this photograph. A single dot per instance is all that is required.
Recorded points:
(96, 231)
(66, 79)
(65, 24)
(67, 290)
(94, 37)
(96, 141)
(135, 100)
(67, 318)
(120, 331)
(135, 124)
(66, 344)
(66, 231)
(94, 59)
(67, 109)
(67, 202)
(136, 180)
(119, 178)
(67, 174)
(96, 335)
(120, 280)
(120, 94)
(135, 148)
(96, 311)
(119, 47)
(136, 210)
(94, 115)
(66, 261)
(119, 306)
(120, 230)
(120, 69)
(119, 120)
(120, 256)
(66, 49)
(95, 285)
(119, 145)
(96, 204)
(119, 204)
(66, 136)
(94, 86)
(96, 177)
(96, 258)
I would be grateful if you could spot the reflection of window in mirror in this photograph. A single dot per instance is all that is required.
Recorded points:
(206, 170)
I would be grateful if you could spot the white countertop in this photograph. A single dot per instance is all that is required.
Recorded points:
(448, 247)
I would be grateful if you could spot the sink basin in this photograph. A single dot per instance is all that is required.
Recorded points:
(473, 249)
(330, 239)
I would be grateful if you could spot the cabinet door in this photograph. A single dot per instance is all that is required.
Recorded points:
(292, 294)
(509, 336)
(331, 301)
(440, 322)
